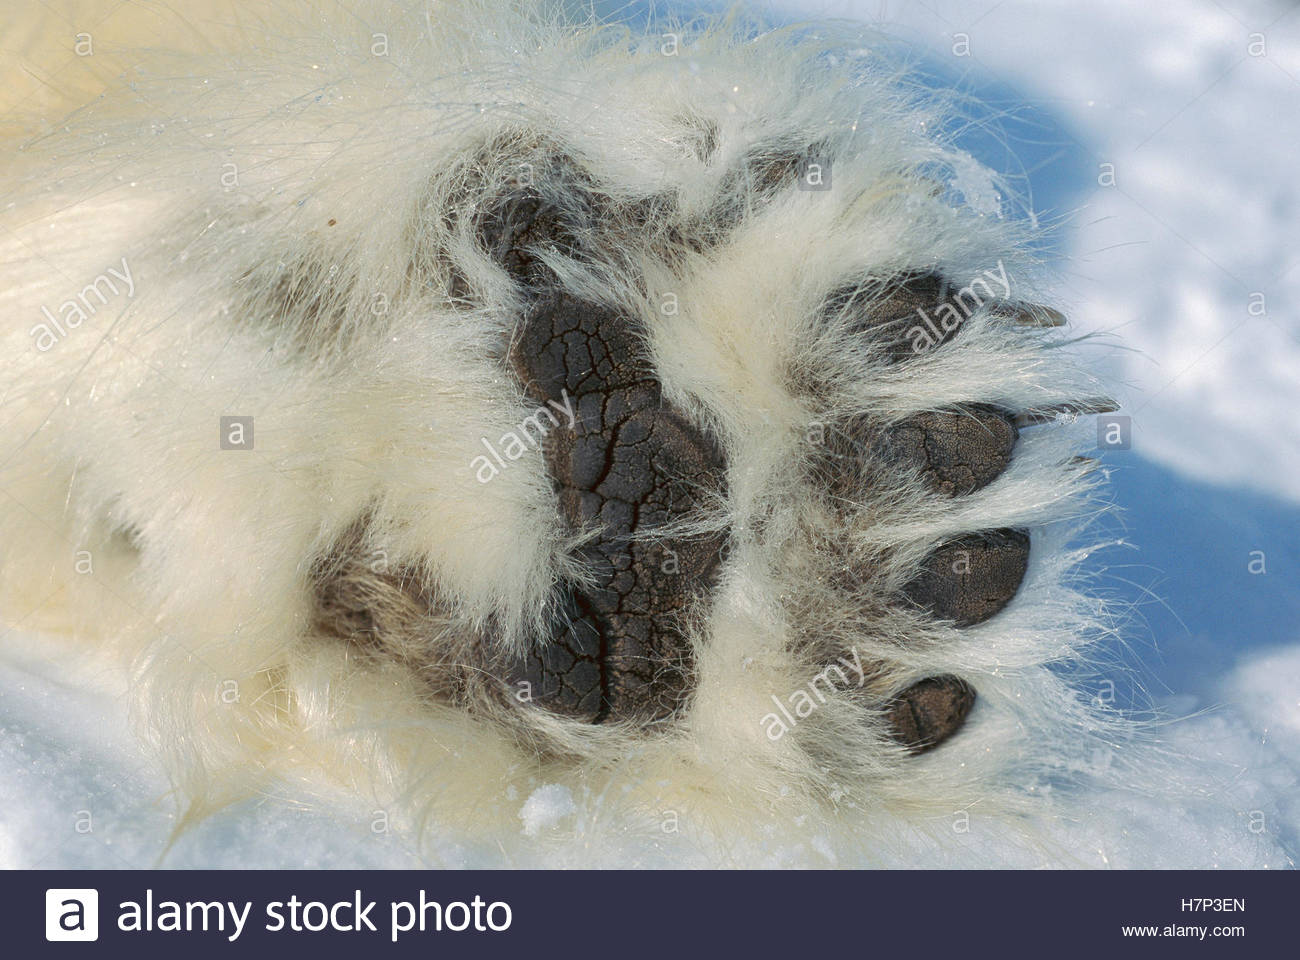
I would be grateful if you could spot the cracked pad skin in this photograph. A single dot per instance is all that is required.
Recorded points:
(629, 464)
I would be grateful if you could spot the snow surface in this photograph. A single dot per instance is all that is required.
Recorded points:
(1201, 217)
(546, 807)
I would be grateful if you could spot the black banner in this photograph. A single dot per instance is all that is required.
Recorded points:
(913, 914)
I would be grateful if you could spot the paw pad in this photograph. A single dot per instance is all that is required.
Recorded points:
(930, 711)
(970, 579)
(627, 465)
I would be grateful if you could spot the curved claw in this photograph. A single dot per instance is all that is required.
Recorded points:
(1076, 408)
(1037, 315)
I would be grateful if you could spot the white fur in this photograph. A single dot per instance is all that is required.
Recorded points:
(377, 403)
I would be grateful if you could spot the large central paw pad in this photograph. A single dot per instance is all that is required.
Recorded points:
(628, 465)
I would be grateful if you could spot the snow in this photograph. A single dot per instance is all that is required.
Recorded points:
(546, 807)
(75, 792)
(1202, 215)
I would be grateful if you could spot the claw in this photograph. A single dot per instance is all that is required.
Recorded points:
(1037, 315)
(1071, 410)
